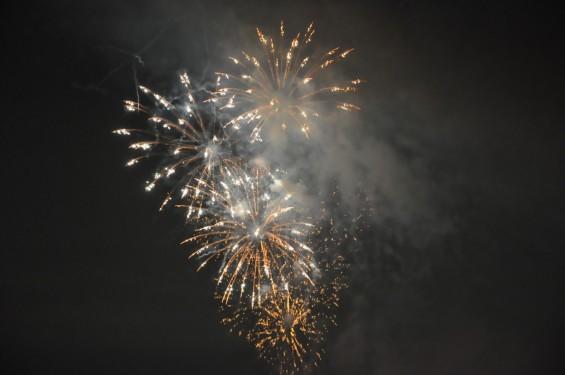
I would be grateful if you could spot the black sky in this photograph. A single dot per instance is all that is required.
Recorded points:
(461, 273)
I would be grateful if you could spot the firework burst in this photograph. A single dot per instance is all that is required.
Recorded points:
(290, 326)
(191, 144)
(280, 89)
(259, 235)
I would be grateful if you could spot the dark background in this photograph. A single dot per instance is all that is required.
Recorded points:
(469, 95)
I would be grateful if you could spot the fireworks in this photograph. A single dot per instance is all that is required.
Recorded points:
(290, 326)
(279, 90)
(191, 146)
(286, 330)
(256, 233)
(277, 281)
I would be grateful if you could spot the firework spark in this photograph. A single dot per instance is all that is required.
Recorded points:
(187, 140)
(279, 90)
(260, 237)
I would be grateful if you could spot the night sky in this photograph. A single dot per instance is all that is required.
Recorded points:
(459, 145)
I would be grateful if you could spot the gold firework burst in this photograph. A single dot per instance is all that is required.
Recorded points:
(290, 326)
(281, 89)
(260, 236)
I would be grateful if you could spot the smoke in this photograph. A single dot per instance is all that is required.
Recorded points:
(366, 155)
(377, 160)
(358, 152)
